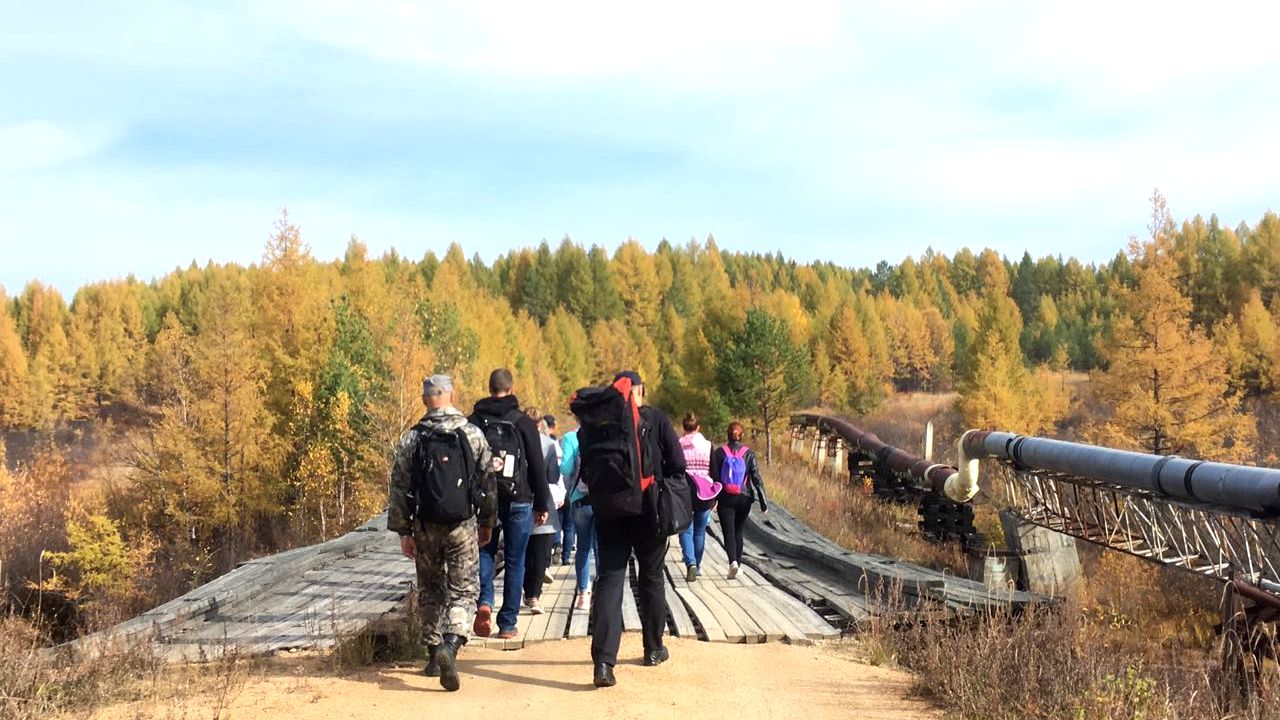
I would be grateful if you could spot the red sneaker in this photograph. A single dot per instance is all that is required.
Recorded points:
(511, 634)
(484, 624)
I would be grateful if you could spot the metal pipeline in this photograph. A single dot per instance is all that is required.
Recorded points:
(959, 485)
(1253, 489)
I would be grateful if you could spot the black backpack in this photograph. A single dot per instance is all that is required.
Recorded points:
(671, 503)
(615, 461)
(505, 441)
(442, 487)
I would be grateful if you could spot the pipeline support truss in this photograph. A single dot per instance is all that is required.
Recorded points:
(1215, 520)
(1218, 542)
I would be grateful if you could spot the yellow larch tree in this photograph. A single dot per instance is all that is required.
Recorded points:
(1166, 382)
(997, 390)
(13, 372)
(636, 277)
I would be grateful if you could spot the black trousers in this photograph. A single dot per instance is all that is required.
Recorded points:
(618, 540)
(537, 558)
(733, 511)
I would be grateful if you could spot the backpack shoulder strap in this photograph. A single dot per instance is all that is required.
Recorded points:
(421, 431)
(468, 453)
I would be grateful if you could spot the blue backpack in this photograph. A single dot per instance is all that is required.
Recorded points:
(733, 473)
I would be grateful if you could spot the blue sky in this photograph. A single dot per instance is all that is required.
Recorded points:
(137, 137)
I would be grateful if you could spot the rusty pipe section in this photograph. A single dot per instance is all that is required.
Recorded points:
(895, 461)
(1241, 487)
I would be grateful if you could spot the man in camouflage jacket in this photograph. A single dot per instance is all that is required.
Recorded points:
(447, 556)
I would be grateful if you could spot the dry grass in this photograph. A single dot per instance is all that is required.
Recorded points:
(36, 682)
(1136, 643)
(1048, 664)
(854, 519)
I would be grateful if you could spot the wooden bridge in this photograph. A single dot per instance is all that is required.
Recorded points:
(796, 586)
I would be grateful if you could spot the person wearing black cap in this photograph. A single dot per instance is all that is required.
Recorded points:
(618, 539)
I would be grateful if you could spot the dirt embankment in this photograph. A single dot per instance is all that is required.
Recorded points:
(553, 680)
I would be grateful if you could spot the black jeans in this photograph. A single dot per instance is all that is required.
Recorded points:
(733, 511)
(618, 539)
(536, 559)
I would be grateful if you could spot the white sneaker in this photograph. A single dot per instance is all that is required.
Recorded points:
(584, 601)
(535, 606)
(733, 570)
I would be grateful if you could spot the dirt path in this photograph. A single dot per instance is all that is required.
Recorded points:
(553, 680)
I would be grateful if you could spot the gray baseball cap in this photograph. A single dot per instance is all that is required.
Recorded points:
(437, 384)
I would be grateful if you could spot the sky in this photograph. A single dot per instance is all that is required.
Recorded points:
(136, 137)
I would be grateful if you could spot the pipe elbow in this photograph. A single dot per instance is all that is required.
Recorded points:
(963, 484)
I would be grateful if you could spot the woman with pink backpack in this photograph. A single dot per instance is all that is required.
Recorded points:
(734, 465)
(697, 461)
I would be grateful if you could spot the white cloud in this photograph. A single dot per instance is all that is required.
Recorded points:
(1127, 48)
(664, 41)
(39, 144)
(744, 117)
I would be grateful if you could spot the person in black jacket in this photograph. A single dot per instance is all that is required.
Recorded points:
(524, 500)
(734, 509)
(618, 538)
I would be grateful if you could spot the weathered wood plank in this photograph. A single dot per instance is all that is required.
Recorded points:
(774, 624)
(711, 628)
(630, 613)
(564, 587)
(715, 603)
(679, 615)
(801, 615)
(579, 623)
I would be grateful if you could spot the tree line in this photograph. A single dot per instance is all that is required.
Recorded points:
(255, 407)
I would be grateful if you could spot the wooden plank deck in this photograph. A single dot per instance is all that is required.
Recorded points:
(794, 586)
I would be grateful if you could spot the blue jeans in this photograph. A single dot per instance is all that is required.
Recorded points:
(566, 533)
(584, 520)
(694, 538)
(513, 530)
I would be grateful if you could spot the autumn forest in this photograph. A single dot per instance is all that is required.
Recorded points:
(249, 409)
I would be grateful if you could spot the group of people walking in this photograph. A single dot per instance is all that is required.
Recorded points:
(462, 487)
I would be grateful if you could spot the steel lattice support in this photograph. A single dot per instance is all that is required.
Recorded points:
(1239, 549)
(1217, 542)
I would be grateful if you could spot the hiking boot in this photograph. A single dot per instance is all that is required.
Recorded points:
(584, 601)
(733, 570)
(535, 606)
(483, 626)
(604, 676)
(433, 667)
(447, 657)
(511, 634)
(691, 573)
(657, 657)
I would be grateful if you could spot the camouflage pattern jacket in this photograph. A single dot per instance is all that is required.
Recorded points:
(439, 420)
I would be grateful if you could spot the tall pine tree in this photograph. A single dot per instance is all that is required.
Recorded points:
(762, 375)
